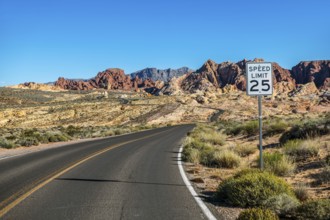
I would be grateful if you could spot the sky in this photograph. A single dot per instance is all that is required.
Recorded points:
(43, 40)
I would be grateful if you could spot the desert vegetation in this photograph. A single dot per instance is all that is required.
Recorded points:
(295, 178)
(12, 138)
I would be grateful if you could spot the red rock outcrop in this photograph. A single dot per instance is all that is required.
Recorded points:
(110, 79)
(228, 73)
(313, 71)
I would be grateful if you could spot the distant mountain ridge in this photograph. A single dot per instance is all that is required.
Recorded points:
(157, 74)
(225, 76)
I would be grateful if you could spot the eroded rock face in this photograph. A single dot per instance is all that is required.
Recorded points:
(313, 71)
(233, 74)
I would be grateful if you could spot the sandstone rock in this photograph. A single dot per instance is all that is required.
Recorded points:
(303, 90)
(110, 79)
(312, 71)
(37, 86)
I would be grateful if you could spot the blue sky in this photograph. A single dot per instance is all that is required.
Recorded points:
(42, 40)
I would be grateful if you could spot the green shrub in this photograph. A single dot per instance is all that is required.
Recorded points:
(306, 130)
(278, 164)
(276, 127)
(6, 144)
(251, 188)
(281, 204)
(251, 128)
(248, 128)
(327, 160)
(301, 192)
(317, 209)
(257, 214)
(224, 159)
(324, 175)
(207, 155)
(208, 134)
(28, 141)
(73, 131)
(191, 155)
(245, 150)
(301, 150)
(57, 137)
(213, 137)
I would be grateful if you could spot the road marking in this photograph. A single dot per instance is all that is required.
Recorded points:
(199, 201)
(57, 174)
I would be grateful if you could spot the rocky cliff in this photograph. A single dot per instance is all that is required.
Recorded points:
(313, 71)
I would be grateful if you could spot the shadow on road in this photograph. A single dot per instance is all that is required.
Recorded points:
(118, 181)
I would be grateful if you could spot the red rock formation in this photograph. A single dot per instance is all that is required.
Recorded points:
(312, 71)
(227, 73)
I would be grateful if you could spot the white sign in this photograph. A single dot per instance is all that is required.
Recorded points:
(259, 79)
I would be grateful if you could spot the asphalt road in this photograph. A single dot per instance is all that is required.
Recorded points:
(134, 176)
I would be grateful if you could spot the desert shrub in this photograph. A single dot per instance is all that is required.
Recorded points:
(108, 132)
(208, 134)
(317, 209)
(73, 131)
(245, 150)
(251, 188)
(207, 155)
(301, 192)
(6, 144)
(55, 137)
(197, 143)
(251, 128)
(214, 137)
(248, 128)
(250, 171)
(327, 160)
(301, 150)
(278, 164)
(276, 127)
(324, 175)
(224, 159)
(197, 151)
(28, 141)
(191, 155)
(257, 214)
(281, 204)
(306, 130)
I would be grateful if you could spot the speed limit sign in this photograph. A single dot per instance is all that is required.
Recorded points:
(259, 79)
(259, 82)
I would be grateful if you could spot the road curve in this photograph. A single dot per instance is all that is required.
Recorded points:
(132, 176)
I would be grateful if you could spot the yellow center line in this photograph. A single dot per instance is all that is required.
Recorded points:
(57, 174)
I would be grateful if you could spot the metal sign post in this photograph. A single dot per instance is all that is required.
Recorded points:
(259, 83)
(261, 161)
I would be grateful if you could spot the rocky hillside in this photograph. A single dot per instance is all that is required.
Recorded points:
(227, 74)
(110, 79)
(162, 75)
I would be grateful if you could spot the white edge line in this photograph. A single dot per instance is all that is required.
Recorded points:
(199, 201)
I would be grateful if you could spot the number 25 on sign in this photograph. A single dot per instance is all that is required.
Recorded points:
(259, 79)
